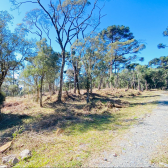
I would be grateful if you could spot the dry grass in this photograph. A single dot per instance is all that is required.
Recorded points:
(85, 129)
(160, 156)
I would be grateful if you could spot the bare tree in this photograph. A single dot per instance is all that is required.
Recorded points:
(70, 20)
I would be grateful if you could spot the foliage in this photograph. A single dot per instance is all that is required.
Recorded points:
(11, 44)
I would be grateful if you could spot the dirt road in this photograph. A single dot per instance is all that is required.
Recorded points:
(137, 146)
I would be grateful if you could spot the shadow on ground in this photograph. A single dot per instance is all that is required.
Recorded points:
(65, 117)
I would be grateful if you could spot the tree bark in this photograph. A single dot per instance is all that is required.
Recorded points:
(61, 76)
(77, 82)
(50, 89)
(41, 87)
(74, 67)
(100, 83)
(111, 74)
(139, 88)
(37, 90)
(146, 85)
(90, 84)
(87, 99)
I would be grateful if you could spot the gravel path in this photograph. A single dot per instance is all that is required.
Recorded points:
(140, 142)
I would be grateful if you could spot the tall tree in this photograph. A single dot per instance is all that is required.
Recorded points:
(42, 65)
(69, 19)
(119, 34)
(11, 44)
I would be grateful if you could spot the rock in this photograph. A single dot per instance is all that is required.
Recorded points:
(5, 147)
(163, 164)
(115, 155)
(10, 159)
(105, 159)
(3, 166)
(25, 154)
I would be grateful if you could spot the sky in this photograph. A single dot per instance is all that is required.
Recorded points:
(147, 19)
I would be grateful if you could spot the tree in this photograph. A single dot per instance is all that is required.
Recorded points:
(87, 48)
(42, 65)
(69, 19)
(161, 45)
(75, 60)
(11, 44)
(162, 64)
(132, 67)
(2, 99)
(120, 41)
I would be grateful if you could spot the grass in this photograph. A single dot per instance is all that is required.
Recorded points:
(84, 132)
(160, 157)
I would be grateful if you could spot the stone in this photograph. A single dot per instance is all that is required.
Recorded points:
(115, 155)
(25, 154)
(10, 159)
(3, 166)
(163, 164)
(105, 159)
(5, 147)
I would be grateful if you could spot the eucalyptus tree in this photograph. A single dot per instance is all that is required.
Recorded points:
(69, 18)
(11, 44)
(87, 48)
(42, 65)
(75, 59)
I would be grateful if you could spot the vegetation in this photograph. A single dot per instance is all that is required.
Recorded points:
(71, 103)
(65, 135)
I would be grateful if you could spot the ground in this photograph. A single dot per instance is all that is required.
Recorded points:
(71, 133)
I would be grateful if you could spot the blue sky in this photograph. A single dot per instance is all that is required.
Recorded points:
(147, 20)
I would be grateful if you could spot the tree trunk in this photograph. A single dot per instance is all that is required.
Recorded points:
(139, 88)
(90, 84)
(61, 76)
(2, 78)
(117, 81)
(87, 99)
(146, 85)
(41, 87)
(127, 85)
(70, 87)
(77, 83)
(50, 89)
(74, 67)
(37, 90)
(111, 74)
(166, 83)
(100, 83)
